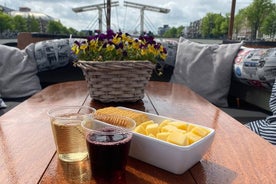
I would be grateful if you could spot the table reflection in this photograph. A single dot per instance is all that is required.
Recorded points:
(76, 171)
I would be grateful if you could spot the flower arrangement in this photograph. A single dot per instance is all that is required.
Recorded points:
(118, 47)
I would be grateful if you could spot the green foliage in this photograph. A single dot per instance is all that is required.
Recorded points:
(205, 27)
(73, 31)
(179, 31)
(174, 32)
(240, 20)
(214, 26)
(269, 23)
(259, 16)
(171, 33)
(256, 14)
(19, 24)
(5, 22)
(224, 25)
(32, 24)
(55, 27)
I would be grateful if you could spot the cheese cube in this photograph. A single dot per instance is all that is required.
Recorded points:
(168, 128)
(163, 123)
(178, 138)
(181, 131)
(192, 137)
(179, 124)
(200, 131)
(162, 135)
(141, 130)
(191, 127)
(144, 124)
(152, 129)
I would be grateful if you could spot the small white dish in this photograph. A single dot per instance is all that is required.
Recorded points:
(170, 157)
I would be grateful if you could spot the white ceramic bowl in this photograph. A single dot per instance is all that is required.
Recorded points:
(170, 157)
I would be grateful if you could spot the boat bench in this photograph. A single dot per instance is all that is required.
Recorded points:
(246, 102)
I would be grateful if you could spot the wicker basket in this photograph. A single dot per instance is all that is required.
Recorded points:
(116, 81)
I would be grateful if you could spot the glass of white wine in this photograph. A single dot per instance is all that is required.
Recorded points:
(68, 133)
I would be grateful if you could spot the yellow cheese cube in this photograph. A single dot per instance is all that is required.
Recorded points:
(179, 124)
(168, 128)
(152, 129)
(178, 138)
(191, 127)
(192, 137)
(200, 131)
(163, 123)
(181, 131)
(140, 129)
(162, 135)
(144, 124)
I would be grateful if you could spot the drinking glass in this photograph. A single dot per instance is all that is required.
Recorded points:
(68, 133)
(108, 147)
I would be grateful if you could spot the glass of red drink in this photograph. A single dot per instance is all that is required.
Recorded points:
(108, 147)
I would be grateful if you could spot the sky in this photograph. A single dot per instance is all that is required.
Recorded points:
(127, 19)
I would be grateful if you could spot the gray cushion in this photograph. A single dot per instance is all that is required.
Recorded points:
(18, 72)
(205, 68)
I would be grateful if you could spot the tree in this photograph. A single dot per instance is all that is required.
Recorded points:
(240, 21)
(206, 26)
(171, 33)
(179, 31)
(224, 25)
(219, 27)
(73, 31)
(269, 24)
(5, 22)
(214, 26)
(19, 23)
(32, 24)
(55, 27)
(256, 14)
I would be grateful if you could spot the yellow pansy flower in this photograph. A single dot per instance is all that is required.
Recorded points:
(75, 49)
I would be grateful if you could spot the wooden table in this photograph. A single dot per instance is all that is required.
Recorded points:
(28, 153)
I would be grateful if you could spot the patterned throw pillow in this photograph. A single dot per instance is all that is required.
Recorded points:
(256, 67)
(171, 47)
(52, 54)
(164, 69)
